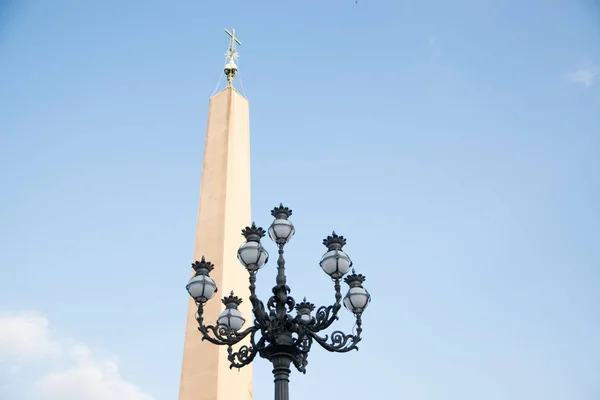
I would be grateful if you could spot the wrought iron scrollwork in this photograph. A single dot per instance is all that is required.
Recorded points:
(220, 334)
(245, 354)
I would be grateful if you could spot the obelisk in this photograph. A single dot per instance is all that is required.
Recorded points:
(223, 211)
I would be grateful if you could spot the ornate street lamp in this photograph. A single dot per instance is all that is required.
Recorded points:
(276, 334)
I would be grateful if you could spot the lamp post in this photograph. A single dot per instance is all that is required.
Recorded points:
(276, 334)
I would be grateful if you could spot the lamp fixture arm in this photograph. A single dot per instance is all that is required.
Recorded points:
(339, 341)
(219, 334)
(245, 354)
(327, 315)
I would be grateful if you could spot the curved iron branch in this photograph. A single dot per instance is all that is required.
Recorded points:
(327, 315)
(245, 354)
(301, 360)
(221, 335)
(339, 341)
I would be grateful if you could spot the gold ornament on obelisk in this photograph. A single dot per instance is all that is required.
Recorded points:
(232, 55)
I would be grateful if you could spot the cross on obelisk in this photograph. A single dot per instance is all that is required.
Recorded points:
(224, 209)
(231, 68)
(234, 40)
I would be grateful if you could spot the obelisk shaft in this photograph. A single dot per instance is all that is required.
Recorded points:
(223, 211)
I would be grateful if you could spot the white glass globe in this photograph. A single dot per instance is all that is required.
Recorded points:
(201, 288)
(335, 263)
(305, 318)
(231, 319)
(357, 299)
(252, 255)
(281, 230)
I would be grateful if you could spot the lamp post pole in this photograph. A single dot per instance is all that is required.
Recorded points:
(275, 334)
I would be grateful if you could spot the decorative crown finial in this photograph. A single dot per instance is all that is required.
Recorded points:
(334, 241)
(355, 279)
(253, 233)
(305, 305)
(281, 212)
(203, 266)
(231, 300)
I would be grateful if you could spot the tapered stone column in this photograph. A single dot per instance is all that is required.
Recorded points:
(223, 211)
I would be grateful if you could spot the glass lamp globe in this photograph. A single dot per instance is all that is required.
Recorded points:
(357, 299)
(281, 230)
(201, 288)
(305, 318)
(336, 263)
(252, 255)
(232, 319)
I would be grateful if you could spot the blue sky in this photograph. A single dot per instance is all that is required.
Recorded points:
(455, 144)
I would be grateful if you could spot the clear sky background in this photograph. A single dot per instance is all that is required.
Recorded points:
(454, 143)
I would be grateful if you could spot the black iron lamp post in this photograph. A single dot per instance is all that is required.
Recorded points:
(276, 334)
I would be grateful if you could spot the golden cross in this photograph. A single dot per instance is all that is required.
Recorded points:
(234, 40)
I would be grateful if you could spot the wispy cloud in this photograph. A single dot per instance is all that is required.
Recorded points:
(584, 76)
(45, 367)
